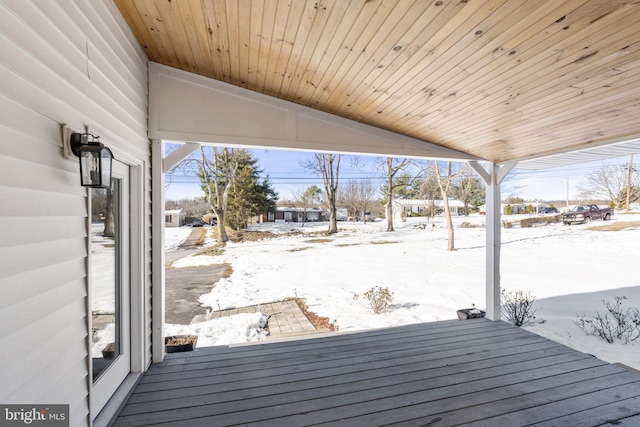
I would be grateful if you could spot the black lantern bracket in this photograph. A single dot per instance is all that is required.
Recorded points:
(79, 141)
(94, 158)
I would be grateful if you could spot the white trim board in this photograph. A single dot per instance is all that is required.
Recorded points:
(187, 107)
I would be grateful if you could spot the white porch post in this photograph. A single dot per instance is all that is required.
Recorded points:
(493, 244)
(157, 238)
(493, 176)
(159, 166)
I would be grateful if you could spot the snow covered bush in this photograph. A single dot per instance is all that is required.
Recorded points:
(517, 307)
(617, 324)
(379, 298)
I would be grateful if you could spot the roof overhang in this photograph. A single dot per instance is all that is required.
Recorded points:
(186, 107)
(604, 150)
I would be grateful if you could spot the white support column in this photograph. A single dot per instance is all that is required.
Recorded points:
(494, 242)
(493, 176)
(157, 248)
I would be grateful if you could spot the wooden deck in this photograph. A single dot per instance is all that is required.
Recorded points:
(472, 372)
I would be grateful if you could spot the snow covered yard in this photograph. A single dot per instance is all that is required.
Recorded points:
(569, 269)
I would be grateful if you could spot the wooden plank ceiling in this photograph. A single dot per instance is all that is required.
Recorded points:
(499, 79)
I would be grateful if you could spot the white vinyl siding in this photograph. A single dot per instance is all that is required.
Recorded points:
(75, 63)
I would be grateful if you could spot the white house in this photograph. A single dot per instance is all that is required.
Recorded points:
(71, 293)
(294, 214)
(517, 208)
(174, 218)
(408, 207)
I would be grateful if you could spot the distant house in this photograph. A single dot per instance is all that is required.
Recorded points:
(174, 218)
(516, 208)
(342, 214)
(409, 207)
(293, 214)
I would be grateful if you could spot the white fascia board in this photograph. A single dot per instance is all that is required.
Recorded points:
(188, 107)
(591, 152)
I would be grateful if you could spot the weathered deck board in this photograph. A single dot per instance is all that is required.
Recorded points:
(473, 372)
(629, 421)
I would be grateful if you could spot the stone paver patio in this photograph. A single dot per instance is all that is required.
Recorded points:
(286, 318)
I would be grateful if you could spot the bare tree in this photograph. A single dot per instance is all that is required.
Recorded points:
(468, 188)
(359, 197)
(366, 192)
(109, 216)
(195, 207)
(632, 191)
(348, 197)
(609, 182)
(102, 209)
(217, 172)
(393, 166)
(307, 199)
(428, 189)
(509, 188)
(444, 183)
(327, 166)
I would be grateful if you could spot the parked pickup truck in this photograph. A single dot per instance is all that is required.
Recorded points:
(585, 213)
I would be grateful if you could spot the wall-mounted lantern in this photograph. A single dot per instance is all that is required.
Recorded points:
(95, 160)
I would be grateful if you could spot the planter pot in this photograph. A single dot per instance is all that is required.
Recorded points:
(470, 313)
(179, 343)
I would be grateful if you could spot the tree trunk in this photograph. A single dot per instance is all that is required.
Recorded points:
(389, 214)
(333, 218)
(447, 214)
(223, 237)
(389, 207)
(444, 191)
(109, 218)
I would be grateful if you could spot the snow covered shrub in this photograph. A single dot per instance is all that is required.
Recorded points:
(545, 220)
(379, 298)
(517, 307)
(618, 324)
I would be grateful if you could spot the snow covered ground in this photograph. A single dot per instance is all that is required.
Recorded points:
(569, 269)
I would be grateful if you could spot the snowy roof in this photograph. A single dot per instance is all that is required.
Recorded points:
(424, 202)
(294, 209)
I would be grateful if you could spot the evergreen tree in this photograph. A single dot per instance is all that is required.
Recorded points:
(403, 187)
(249, 196)
(230, 179)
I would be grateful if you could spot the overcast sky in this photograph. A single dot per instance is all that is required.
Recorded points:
(288, 176)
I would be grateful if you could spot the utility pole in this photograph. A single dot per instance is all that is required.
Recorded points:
(567, 194)
(629, 181)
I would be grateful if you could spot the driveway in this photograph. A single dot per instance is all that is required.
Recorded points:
(183, 287)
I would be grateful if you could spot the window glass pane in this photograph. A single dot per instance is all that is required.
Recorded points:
(104, 282)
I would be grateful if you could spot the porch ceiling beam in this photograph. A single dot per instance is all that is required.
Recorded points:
(178, 155)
